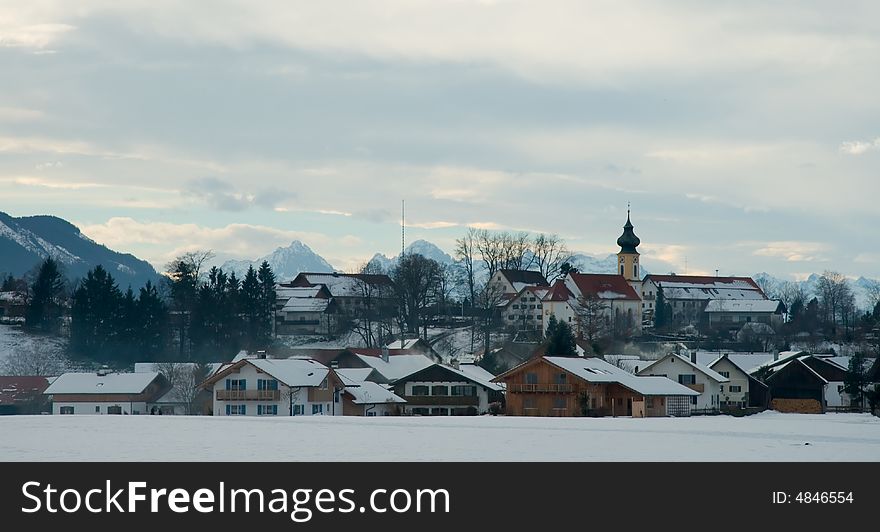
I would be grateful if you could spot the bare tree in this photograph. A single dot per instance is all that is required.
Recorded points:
(550, 253)
(290, 395)
(416, 280)
(872, 287)
(517, 251)
(491, 249)
(592, 317)
(836, 299)
(466, 252)
(371, 318)
(42, 360)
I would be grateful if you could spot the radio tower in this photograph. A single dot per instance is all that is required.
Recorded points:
(402, 227)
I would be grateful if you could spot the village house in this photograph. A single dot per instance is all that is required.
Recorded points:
(805, 383)
(509, 283)
(689, 295)
(593, 296)
(185, 395)
(576, 386)
(23, 395)
(362, 397)
(686, 371)
(260, 386)
(353, 293)
(104, 392)
(733, 314)
(439, 390)
(742, 390)
(305, 310)
(525, 310)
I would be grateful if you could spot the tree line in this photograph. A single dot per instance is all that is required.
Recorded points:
(189, 315)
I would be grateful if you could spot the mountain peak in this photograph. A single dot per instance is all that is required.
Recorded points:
(286, 262)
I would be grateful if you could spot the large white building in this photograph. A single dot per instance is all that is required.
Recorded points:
(105, 392)
(695, 376)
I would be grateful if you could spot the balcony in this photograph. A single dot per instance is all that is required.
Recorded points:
(442, 400)
(248, 395)
(540, 388)
(696, 387)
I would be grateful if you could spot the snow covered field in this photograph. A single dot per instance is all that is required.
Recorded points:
(765, 437)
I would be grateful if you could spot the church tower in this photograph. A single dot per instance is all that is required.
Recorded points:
(628, 256)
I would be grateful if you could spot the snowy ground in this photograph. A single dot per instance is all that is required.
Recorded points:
(765, 437)
(16, 343)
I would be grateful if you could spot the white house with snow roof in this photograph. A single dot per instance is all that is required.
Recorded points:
(259, 386)
(304, 310)
(687, 372)
(105, 392)
(525, 310)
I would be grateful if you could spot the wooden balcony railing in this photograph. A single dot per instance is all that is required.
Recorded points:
(696, 387)
(538, 388)
(248, 395)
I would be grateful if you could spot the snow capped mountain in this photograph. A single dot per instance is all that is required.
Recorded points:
(28, 240)
(420, 247)
(861, 287)
(286, 262)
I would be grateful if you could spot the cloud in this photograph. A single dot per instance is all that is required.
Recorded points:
(791, 251)
(222, 195)
(20, 114)
(858, 147)
(159, 242)
(38, 36)
(28, 181)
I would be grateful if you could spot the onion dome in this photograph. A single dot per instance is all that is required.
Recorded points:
(628, 241)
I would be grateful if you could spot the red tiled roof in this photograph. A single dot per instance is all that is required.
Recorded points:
(601, 285)
(558, 292)
(18, 389)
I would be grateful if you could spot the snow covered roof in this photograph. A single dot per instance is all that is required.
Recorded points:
(706, 287)
(149, 367)
(372, 393)
(93, 383)
(744, 305)
(352, 375)
(407, 343)
(303, 304)
(597, 370)
(705, 370)
(519, 279)
(539, 292)
(343, 284)
(600, 285)
(292, 372)
(286, 292)
(744, 361)
(398, 366)
(479, 375)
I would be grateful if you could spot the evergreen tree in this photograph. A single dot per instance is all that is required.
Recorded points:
(562, 343)
(128, 327)
(152, 319)
(183, 277)
(856, 379)
(249, 301)
(96, 316)
(266, 324)
(552, 324)
(661, 310)
(46, 298)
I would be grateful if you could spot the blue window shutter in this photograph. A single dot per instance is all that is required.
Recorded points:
(228, 407)
(228, 384)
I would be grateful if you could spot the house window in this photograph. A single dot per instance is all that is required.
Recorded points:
(98, 409)
(419, 390)
(439, 411)
(66, 410)
(420, 411)
(464, 390)
(687, 379)
(236, 410)
(323, 385)
(559, 378)
(115, 409)
(516, 307)
(267, 384)
(512, 317)
(559, 403)
(735, 389)
(267, 410)
(529, 402)
(694, 400)
(622, 269)
(298, 410)
(722, 388)
(371, 414)
(725, 374)
(649, 402)
(440, 390)
(531, 378)
(635, 270)
(236, 384)
(317, 409)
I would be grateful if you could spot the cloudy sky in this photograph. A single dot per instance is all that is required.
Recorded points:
(746, 135)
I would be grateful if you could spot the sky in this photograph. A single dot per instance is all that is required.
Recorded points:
(746, 135)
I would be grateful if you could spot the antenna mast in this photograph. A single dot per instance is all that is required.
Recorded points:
(402, 227)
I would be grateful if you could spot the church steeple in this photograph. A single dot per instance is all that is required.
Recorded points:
(628, 256)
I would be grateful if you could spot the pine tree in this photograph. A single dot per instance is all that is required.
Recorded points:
(562, 343)
(249, 301)
(46, 294)
(267, 305)
(552, 323)
(128, 327)
(184, 280)
(152, 317)
(661, 309)
(96, 316)
(856, 379)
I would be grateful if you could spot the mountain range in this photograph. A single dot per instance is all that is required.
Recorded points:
(286, 262)
(26, 241)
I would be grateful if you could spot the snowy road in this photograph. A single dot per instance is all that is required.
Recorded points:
(765, 437)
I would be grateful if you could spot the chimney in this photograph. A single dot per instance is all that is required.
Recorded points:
(261, 354)
(385, 353)
(775, 356)
(334, 364)
(694, 356)
(454, 363)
